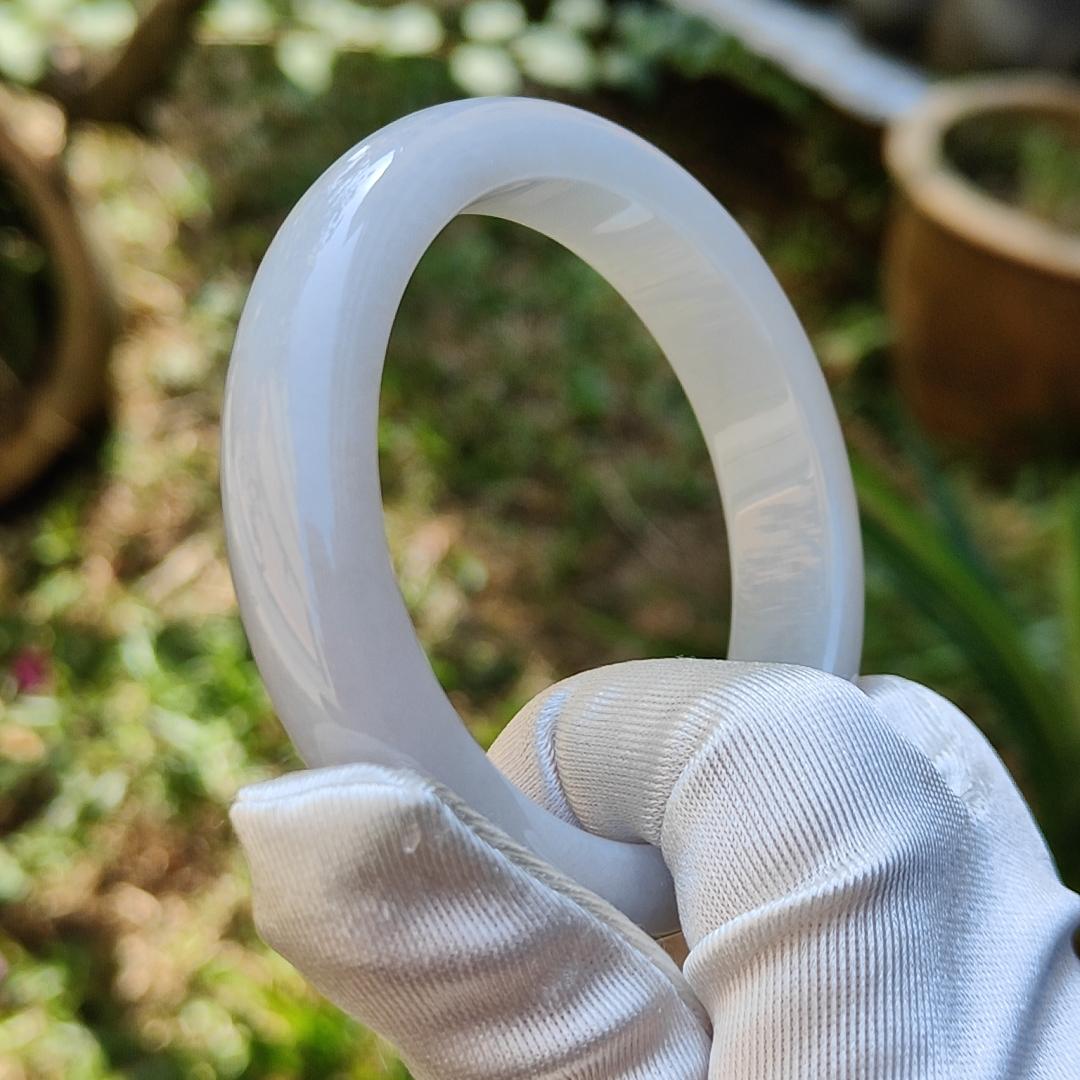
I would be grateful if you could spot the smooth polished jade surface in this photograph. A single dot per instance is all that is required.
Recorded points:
(303, 509)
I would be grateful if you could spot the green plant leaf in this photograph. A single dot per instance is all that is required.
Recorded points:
(1036, 720)
(1070, 590)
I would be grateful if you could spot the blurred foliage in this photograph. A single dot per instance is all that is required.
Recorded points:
(549, 500)
(31, 29)
(488, 46)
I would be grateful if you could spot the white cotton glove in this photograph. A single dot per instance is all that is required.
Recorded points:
(862, 889)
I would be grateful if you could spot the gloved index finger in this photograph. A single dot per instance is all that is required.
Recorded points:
(432, 927)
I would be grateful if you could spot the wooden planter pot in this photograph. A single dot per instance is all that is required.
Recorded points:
(43, 415)
(984, 297)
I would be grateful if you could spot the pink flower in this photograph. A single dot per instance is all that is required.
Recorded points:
(30, 670)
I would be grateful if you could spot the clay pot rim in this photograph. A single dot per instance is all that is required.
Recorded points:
(915, 157)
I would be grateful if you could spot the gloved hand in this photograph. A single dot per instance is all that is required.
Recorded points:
(862, 889)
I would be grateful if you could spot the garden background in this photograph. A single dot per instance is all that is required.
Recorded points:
(549, 500)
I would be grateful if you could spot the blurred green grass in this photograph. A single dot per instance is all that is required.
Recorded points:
(549, 504)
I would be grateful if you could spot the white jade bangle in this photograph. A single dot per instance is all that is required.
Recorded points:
(303, 510)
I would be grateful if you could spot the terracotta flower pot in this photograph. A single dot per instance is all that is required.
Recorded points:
(984, 296)
(42, 411)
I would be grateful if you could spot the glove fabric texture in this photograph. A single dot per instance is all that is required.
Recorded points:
(862, 889)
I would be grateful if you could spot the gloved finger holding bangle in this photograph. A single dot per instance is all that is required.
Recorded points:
(862, 890)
